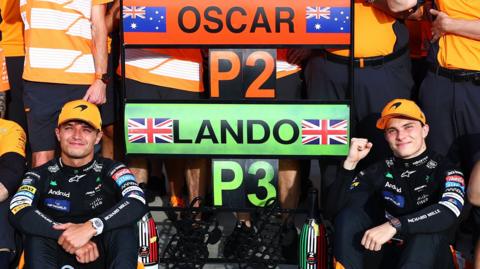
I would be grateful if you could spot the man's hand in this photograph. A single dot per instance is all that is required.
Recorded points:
(74, 235)
(359, 148)
(87, 253)
(96, 94)
(297, 56)
(440, 25)
(374, 238)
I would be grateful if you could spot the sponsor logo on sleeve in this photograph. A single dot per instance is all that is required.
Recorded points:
(455, 178)
(451, 184)
(18, 208)
(130, 189)
(118, 167)
(121, 173)
(28, 188)
(121, 180)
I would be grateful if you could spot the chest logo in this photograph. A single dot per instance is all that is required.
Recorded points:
(75, 178)
(407, 173)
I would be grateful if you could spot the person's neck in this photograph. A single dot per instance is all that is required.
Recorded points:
(73, 162)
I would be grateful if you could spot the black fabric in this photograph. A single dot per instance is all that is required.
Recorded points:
(57, 193)
(419, 251)
(7, 233)
(451, 109)
(43, 102)
(108, 110)
(12, 167)
(15, 107)
(117, 249)
(425, 193)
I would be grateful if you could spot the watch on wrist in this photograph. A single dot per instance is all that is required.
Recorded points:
(105, 77)
(396, 224)
(97, 224)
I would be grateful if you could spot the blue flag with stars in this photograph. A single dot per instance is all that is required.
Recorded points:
(144, 19)
(328, 19)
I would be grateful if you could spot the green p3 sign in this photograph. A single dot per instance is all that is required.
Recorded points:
(243, 183)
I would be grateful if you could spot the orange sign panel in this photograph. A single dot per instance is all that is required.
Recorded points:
(241, 22)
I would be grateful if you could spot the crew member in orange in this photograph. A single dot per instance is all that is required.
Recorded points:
(65, 59)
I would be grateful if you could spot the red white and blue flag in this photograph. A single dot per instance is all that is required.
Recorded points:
(150, 130)
(324, 132)
(144, 19)
(327, 19)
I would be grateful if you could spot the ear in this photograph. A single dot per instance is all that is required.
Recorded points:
(425, 129)
(57, 133)
(99, 137)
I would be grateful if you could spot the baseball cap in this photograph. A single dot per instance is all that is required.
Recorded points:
(400, 108)
(81, 110)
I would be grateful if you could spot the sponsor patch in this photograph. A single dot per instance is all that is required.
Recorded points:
(397, 200)
(28, 188)
(121, 172)
(32, 174)
(136, 195)
(121, 180)
(420, 188)
(455, 178)
(114, 170)
(59, 193)
(60, 205)
(407, 173)
(451, 206)
(18, 208)
(22, 199)
(451, 184)
(96, 202)
(27, 181)
(130, 189)
(393, 187)
(25, 193)
(454, 172)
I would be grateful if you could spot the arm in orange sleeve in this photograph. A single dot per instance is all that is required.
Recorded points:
(443, 24)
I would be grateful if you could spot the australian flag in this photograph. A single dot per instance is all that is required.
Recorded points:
(324, 132)
(150, 130)
(144, 19)
(328, 19)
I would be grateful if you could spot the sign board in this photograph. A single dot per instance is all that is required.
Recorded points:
(241, 22)
(237, 129)
(244, 183)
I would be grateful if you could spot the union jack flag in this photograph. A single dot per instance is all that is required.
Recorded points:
(324, 132)
(150, 130)
(318, 12)
(133, 12)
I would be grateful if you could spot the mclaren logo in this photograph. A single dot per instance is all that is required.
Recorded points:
(82, 107)
(396, 105)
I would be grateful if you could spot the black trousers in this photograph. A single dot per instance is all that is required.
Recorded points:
(422, 251)
(118, 249)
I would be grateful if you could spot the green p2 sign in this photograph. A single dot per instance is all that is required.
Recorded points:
(244, 183)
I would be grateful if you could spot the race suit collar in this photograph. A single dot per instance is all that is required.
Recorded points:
(413, 162)
(74, 170)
